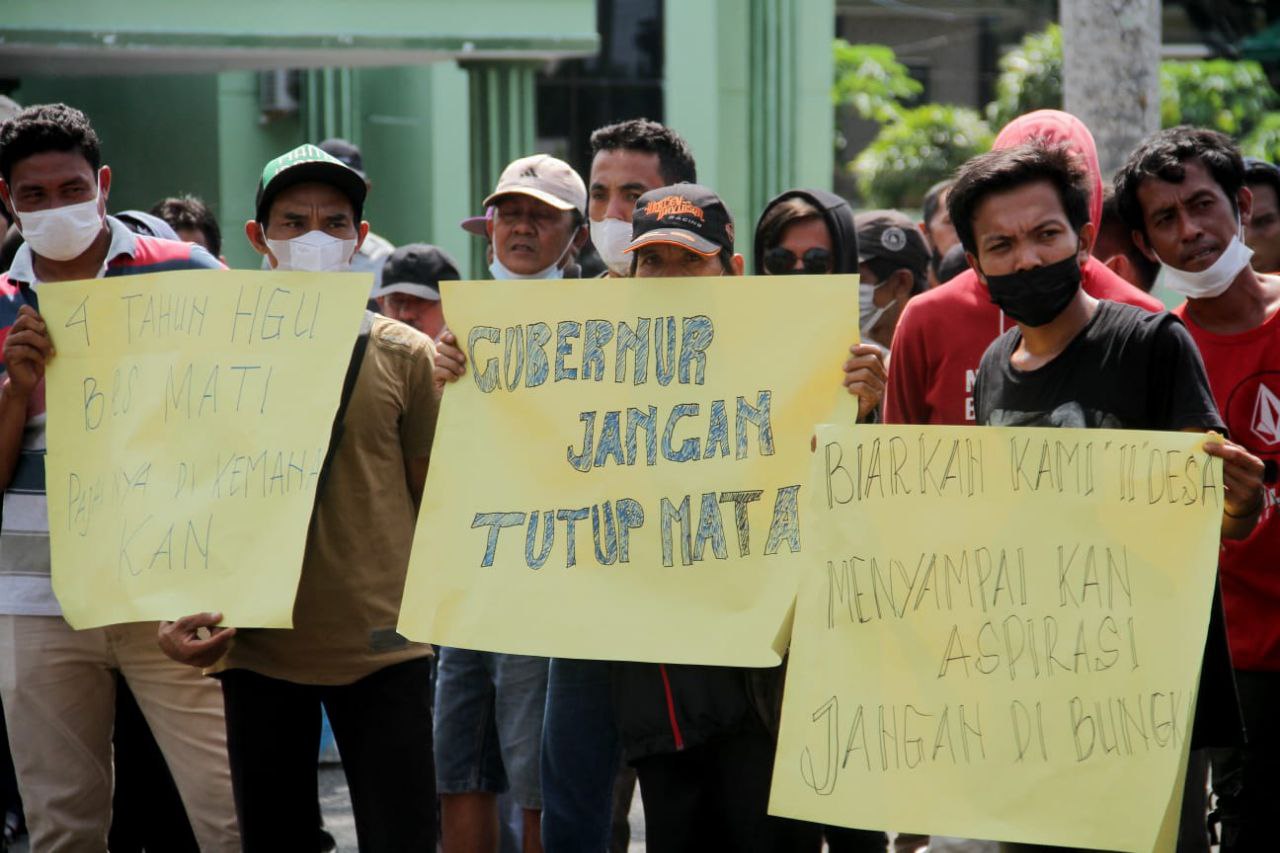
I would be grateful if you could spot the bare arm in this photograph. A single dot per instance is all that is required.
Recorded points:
(27, 348)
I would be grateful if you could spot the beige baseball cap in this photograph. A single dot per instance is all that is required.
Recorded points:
(545, 178)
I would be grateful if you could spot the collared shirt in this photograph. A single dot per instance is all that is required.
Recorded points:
(25, 587)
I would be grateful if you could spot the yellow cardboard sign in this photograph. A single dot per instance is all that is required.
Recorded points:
(619, 474)
(188, 417)
(999, 632)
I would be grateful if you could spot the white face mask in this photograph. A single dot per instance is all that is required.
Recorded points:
(314, 251)
(610, 237)
(501, 271)
(1213, 281)
(61, 233)
(868, 313)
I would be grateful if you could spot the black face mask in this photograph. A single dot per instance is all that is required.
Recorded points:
(1036, 296)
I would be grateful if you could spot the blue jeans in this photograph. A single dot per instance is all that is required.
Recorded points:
(580, 757)
(488, 724)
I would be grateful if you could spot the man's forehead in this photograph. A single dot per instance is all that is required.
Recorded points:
(1264, 193)
(302, 198)
(1028, 203)
(1196, 177)
(626, 165)
(51, 166)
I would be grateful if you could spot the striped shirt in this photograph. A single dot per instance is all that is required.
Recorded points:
(25, 586)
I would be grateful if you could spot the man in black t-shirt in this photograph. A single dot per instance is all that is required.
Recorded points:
(1022, 215)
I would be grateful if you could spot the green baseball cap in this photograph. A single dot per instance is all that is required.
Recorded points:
(306, 164)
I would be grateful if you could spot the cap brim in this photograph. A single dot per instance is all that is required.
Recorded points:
(540, 195)
(676, 237)
(335, 174)
(475, 225)
(422, 291)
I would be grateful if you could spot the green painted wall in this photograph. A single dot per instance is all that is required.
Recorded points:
(748, 85)
(244, 145)
(159, 134)
(254, 21)
(210, 139)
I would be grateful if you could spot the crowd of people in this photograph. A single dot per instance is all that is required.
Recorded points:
(1022, 298)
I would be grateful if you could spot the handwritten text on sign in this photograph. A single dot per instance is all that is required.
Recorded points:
(1000, 632)
(188, 417)
(620, 471)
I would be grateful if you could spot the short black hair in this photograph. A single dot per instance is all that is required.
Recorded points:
(192, 214)
(1162, 156)
(1010, 168)
(47, 127)
(1261, 172)
(675, 160)
(933, 199)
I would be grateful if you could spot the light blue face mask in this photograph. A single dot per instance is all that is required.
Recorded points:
(502, 272)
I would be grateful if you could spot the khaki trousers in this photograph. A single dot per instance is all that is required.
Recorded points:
(58, 688)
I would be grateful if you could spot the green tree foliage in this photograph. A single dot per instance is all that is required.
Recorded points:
(923, 145)
(870, 79)
(1263, 141)
(1219, 93)
(1030, 77)
(1222, 94)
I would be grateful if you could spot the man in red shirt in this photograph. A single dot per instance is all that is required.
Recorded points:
(943, 333)
(1183, 193)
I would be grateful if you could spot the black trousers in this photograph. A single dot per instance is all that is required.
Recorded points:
(715, 796)
(382, 725)
(1246, 781)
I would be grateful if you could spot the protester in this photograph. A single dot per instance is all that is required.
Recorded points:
(1262, 232)
(1071, 360)
(942, 334)
(627, 160)
(701, 743)
(952, 264)
(538, 219)
(490, 707)
(374, 249)
(813, 232)
(1114, 246)
(1185, 193)
(192, 220)
(58, 684)
(935, 225)
(893, 265)
(583, 792)
(410, 290)
(343, 652)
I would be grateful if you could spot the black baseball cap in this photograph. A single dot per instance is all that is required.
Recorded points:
(686, 215)
(345, 152)
(305, 164)
(417, 269)
(891, 236)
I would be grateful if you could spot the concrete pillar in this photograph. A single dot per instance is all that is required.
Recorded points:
(1111, 72)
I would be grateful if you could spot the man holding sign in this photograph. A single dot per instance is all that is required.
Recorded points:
(701, 737)
(1183, 193)
(343, 651)
(58, 684)
(1022, 216)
